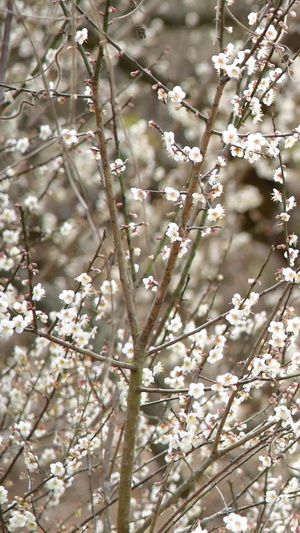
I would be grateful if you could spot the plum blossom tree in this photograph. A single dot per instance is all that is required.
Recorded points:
(149, 278)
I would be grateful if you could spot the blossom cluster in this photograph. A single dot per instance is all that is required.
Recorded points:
(126, 336)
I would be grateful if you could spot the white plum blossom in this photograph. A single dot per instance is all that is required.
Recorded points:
(24, 428)
(165, 253)
(69, 136)
(283, 415)
(271, 33)
(168, 138)
(176, 95)
(171, 194)
(67, 296)
(290, 203)
(109, 287)
(235, 316)
(237, 150)
(258, 366)
(118, 166)
(252, 18)
(128, 350)
(17, 520)
(38, 292)
(84, 279)
(293, 325)
(265, 460)
(233, 71)
(292, 255)
(6, 328)
(162, 94)
(45, 132)
(95, 153)
(138, 194)
(148, 377)
(215, 213)
(173, 232)
(276, 196)
(199, 529)
(20, 323)
(57, 485)
(175, 324)
(279, 175)
(3, 495)
(288, 274)
(196, 390)
(184, 247)
(57, 469)
(88, 92)
(81, 36)
(32, 204)
(236, 523)
(255, 142)
(22, 145)
(150, 284)
(227, 379)
(219, 61)
(230, 136)
(195, 155)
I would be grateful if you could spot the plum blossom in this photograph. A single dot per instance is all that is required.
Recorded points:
(215, 213)
(271, 33)
(288, 274)
(81, 36)
(138, 194)
(17, 520)
(196, 390)
(22, 145)
(3, 495)
(233, 71)
(292, 255)
(57, 469)
(290, 203)
(118, 166)
(227, 379)
(95, 152)
(255, 142)
(252, 18)
(69, 136)
(45, 132)
(175, 324)
(276, 196)
(184, 247)
(168, 138)
(176, 95)
(230, 135)
(20, 323)
(171, 194)
(38, 292)
(84, 279)
(195, 155)
(162, 95)
(31, 202)
(219, 61)
(279, 175)
(67, 296)
(283, 415)
(199, 530)
(150, 284)
(173, 232)
(6, 328)
(128, 350)
(236, 523)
